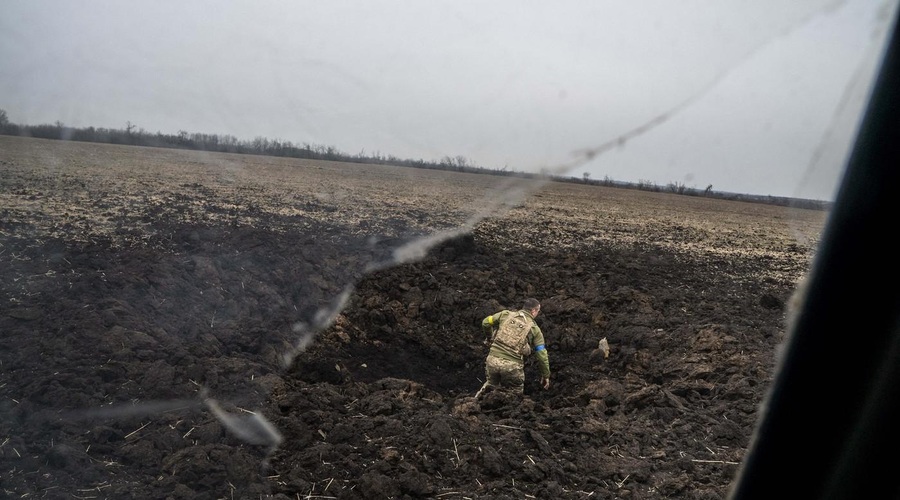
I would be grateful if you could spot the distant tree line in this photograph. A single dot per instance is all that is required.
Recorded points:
(682, 189)
(131, 135)
(134, 136)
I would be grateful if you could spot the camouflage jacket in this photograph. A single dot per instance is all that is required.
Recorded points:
(534, 337)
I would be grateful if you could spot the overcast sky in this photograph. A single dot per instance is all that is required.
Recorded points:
(759, 97)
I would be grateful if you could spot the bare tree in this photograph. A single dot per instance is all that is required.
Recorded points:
(677, 187)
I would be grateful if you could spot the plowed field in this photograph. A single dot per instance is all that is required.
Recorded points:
(143, 288)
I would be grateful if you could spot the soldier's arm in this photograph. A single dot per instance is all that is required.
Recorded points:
(491, 323)
(540, 351)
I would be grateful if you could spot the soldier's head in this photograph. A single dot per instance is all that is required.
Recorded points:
(533, 306)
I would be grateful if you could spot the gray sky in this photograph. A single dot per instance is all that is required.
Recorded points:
(766, 94)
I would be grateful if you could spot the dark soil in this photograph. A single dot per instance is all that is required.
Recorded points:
(112, 341)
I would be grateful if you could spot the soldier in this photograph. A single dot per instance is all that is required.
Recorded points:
(514, 335)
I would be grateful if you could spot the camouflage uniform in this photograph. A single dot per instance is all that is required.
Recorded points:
(505, 365)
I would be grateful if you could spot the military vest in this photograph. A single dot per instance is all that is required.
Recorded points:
(513, 332)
